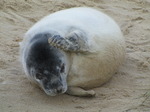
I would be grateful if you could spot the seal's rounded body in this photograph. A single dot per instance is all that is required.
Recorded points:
(91, 43)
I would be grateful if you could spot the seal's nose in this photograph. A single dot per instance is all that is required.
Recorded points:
(58, 87)
(59, 90)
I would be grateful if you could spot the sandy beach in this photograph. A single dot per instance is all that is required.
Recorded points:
(127, 91)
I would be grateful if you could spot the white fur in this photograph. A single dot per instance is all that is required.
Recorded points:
(104, 39)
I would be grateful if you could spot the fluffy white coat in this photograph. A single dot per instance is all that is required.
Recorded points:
(105, 40)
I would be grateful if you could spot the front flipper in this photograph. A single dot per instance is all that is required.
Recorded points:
(77, 91)
(74, 42)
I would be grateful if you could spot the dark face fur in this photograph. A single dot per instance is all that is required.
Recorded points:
(46, 65)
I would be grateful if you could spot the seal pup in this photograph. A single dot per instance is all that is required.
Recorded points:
(72, 51)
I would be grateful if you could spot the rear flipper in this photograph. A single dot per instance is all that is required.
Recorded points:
(77, 91)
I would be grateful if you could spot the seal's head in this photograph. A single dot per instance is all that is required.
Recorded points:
(46, 65)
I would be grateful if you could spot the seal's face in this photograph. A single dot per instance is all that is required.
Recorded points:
(46, 65)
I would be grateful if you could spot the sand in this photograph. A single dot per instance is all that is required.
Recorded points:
(127, 91)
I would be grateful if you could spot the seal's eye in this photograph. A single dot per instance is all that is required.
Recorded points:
(62, 68)
(39, 76)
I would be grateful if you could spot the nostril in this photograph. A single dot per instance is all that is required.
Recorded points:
(59, 90)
